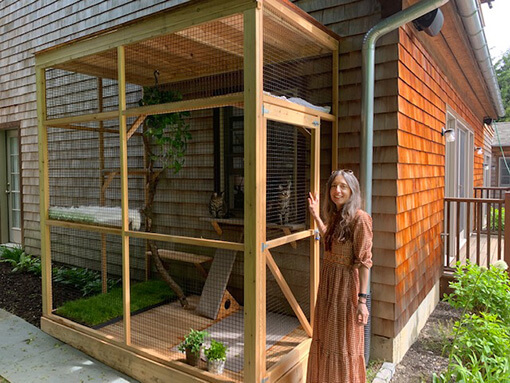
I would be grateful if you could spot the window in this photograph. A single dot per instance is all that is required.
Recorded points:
(504, 175)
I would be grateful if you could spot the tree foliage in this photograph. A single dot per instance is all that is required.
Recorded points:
(168, 133)
(503, 75)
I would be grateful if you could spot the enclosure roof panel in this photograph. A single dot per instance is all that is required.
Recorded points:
(185, 42)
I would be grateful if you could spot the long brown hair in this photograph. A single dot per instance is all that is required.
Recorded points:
(340, 222)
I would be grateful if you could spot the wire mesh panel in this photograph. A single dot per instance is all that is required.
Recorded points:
(287, 294)
(296, 67)
(288, 164)
(87, 86)
(86, 274)
(84, 175)
(196, 191)
(201, 61)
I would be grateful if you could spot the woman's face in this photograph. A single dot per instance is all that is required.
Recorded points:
(340, 192)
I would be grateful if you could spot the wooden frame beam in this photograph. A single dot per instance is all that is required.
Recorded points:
(213, 243)
(44, 187)
(314, 241)
(232, 99)
(254, 201)
(81, 118)
(124, 202)
(288, 239)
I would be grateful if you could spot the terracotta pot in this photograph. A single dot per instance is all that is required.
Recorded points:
(192, 359)
(215, 366)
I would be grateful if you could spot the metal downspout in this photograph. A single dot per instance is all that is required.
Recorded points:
(470, 14)
(367, 103)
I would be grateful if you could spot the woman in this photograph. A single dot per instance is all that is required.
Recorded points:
(337, 350)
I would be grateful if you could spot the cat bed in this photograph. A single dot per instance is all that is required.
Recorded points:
(99, 215)
(302, 102)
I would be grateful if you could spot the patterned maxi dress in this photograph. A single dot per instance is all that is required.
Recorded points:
(337, 349)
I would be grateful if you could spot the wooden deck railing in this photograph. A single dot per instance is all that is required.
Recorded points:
(475, 228)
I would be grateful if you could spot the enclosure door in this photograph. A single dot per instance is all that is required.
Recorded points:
(13, 187)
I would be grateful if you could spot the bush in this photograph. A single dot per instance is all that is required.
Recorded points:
(480, 351)
(87, 281)
(477, 290)
(20, 261)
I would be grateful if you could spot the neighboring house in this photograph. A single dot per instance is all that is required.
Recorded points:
(499, 166)
(423, 84)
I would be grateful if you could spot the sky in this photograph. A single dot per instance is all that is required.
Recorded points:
(496, 21)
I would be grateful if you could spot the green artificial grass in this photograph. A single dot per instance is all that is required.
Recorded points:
(101, 308)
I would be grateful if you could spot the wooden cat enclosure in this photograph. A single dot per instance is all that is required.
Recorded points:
(181, 148)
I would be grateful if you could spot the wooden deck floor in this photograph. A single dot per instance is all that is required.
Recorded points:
(485, 243)
(158, 331)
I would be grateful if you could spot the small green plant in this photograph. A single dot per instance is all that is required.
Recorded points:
(193, 342)
(87, 281)
(20, 261)
(217, 351)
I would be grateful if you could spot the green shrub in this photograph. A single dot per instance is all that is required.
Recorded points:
(480, 351)
(20, 261)
(87, 281)
(477, 290)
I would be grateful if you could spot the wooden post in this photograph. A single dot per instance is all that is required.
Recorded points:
(124, 194)
(314, 241)
(254, 201)
(507, 229)
(102, 202)
(44, 198)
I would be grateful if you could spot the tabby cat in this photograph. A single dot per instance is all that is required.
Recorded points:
(218, 207)
(284, 203)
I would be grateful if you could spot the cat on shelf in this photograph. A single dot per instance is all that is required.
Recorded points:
(218, 207)
(283, 207)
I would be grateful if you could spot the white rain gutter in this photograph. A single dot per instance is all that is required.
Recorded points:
(367, 103)
(472, 20)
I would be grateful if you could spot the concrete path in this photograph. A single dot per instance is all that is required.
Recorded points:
(28, 355)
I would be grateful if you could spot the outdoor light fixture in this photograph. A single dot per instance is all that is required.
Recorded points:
(478, 150)
(430, 23)
(485, 166)
(449, 134)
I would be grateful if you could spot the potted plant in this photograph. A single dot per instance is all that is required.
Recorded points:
(216, 357)
(192, 345)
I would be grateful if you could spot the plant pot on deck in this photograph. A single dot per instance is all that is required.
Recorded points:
(215, 366)
(192, 358)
